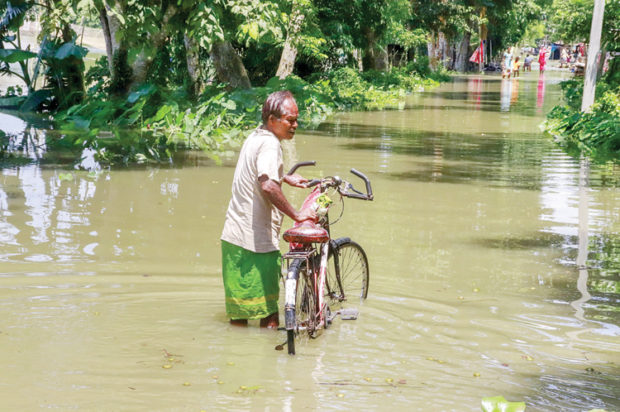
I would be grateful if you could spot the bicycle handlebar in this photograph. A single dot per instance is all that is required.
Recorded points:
(368, 195)
(301, 164)
(336, 181)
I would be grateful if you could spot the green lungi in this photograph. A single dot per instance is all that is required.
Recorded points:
(251, 282)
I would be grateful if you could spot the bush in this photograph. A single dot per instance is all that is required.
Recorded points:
(152, 121)
(595, 134)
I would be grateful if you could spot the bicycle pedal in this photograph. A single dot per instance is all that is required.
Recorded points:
(348, 314)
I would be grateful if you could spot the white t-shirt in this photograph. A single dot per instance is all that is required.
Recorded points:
(252, 222)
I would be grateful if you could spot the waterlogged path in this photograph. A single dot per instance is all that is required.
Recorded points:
(494, 271)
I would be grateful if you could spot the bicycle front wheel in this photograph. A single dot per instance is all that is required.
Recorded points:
(347, 274)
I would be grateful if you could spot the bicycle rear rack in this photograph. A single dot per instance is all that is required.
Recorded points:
(290, 256)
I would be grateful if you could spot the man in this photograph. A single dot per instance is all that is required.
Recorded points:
(527, 63)
(250, 239)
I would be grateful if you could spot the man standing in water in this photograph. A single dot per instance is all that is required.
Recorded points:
(250, 239)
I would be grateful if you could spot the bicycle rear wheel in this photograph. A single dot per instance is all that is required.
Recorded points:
(305, 309)
(348, 274)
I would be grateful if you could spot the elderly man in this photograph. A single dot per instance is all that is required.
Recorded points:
(250, 239)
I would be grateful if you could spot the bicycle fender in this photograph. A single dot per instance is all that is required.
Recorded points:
(290, 287)
(336, 243)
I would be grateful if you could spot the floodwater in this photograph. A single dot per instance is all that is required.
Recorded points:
(493, 256)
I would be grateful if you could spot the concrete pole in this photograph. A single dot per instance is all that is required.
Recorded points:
(593, 49)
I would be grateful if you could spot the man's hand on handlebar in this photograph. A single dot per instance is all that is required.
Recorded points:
(295, 180)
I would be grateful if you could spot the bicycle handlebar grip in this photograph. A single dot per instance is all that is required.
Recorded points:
(358, 196)
(301, 164)
(362, 176)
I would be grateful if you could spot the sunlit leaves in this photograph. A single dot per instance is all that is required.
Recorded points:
(262, 21)
(500, 404)
(204, 26)
(313, 47)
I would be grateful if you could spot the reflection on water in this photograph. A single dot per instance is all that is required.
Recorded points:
(540, 94)
(494, 263)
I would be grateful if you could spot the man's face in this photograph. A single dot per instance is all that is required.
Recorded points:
(284, 127)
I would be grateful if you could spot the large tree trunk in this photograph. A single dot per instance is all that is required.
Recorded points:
(289, 53)
(144, 61)
(432, 50)
(375, 56)
(229, 66)
(110, 26)
(437, 47)
(444, 51)
(192, 58)
(462, 52)
(120, 72)
(359, 61)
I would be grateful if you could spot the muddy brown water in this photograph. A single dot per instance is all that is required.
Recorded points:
(493, 259)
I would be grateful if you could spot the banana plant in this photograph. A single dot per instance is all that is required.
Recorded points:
(12, 15)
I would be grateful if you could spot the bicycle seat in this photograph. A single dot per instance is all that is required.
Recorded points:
(306, 233)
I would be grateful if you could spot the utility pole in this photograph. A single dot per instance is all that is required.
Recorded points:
(593, 49)
(483, 36)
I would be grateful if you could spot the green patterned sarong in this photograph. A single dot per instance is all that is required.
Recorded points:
(251, 282)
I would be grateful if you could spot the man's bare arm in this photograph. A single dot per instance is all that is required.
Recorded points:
(273, 191)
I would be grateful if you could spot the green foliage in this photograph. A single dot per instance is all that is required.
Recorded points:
(534, 33)
(15, 55)
(64, 70)
(595, 134)
(351, 91)
(571, 20)
(97, 79)
(508, 21)
(12, 15)
(164, 120)
(401, 78)
(152, 87)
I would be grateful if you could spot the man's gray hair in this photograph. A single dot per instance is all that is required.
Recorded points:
(274, 102)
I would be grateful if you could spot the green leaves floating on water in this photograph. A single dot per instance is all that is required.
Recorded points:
(500, 404)
(65, 176)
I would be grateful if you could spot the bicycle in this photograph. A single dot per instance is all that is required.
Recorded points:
(321, 271)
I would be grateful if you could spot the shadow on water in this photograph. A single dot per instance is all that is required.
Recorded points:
(534, 241)
(452, 157)
(501, 159)
(484, 106)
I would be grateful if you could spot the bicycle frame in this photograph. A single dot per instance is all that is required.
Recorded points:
(305, 240)
(307, 252)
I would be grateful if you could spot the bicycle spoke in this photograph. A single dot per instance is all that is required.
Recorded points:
(353, 285)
